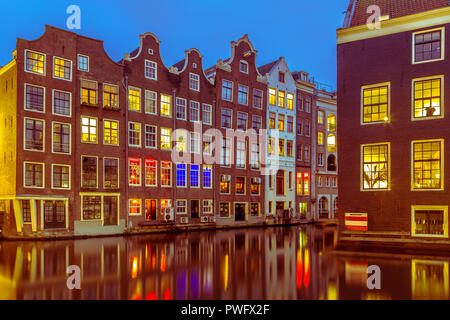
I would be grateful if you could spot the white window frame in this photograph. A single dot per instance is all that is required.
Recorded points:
(196, 79)
(70, 176)
(25, 62)
(53, 103)
(442, 29)
(25, 98)
(71, 68)
(24, 174)
(140, 134)
(151, 65)
(25, 134)
(118, 132)
(148, 94)
(210, 113)
(70, 137)
(78, 62)
(182, 101)
(140, 172)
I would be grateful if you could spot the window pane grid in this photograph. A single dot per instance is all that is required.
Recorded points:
(427, 165)
(375, 164)
(427, 98)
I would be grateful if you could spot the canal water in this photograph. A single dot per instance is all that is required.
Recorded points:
(294, 263)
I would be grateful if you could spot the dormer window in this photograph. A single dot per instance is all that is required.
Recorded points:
(194, 82)
(151, 70)
(243, 66)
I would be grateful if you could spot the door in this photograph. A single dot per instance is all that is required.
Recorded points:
(150, 210)
(239, 211)
(54, 214)
(195, 209)
(280, 208)
(110, 211)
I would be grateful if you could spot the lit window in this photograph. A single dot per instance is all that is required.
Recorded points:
(194, 111)
(62, 103)
(320, 117)
(299, 184)
(151, 102)
(134, 134)
(207, 114)
(428, 165)
(61, 137)
(194, 82)
(83, 63)
(181, 108)
(151, 167)
(88, 172)
(62, 69)
(290, 101)
(271, 147)
(207, 176)
(306, 184)
(241, 153)
(320, 138)
(111, 176)
(272, 96)
(224, 209)
(195, 176)
(110, 96)
(88, 129)
(226, 118)
(166, 138)
(166, 105)
(150, 136)
(331, 142)
(34, 134)
(429, 220)
(134, 99)
(34, 98)
(331, 122)
(281, 101)
(281, 147)
(281, 122)
(257, 98)
(227, 90)
(134, 207)
(181, 139)
(166, 174)
(60, 176)
(243, 66)
(111, 132)
(181, 175)
(240, 185)
(272, 120)
(34, 175)
(89, 92)
(225, 184)
(35, 62)
(242, 95)
(151, 71)
(427, 97)
(134, 172)
(376, 104)
(254, 209)
(375, 164)
(428, 46)
(207, 144)
(255, 186)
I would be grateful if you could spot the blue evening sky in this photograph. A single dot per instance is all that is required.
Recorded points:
(303, 31)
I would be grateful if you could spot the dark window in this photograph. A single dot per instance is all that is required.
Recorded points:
(227, 90)
(89, 172)
(34, 134)
(61, 177)
(61, 103)
(427, 46)
(34, 174)
(92, 207)
(26, 211)
(242, 121)
(226, 118)
(257, 98)
(61, 138)
(429, 222)
(34, 98)
(109, 211)
(111, 173)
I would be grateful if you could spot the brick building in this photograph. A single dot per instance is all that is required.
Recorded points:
(393, 133)
(90, 146)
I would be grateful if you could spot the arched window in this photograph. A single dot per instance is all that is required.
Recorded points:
(323, 208)
(331, 142)
(335, 207)
(331, 163)
(331, 122)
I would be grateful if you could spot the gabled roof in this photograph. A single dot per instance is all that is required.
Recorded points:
(179, 65)
(357, 11)
(267, 67)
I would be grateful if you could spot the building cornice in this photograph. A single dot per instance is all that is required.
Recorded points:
(402, 24)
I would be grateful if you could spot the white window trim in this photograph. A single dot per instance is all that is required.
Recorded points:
(81, 90)
(198, 111)
(81, 171)
(211, 114)
(185, 206)
(140, 98)
(70, 137)
(232, 88)
(156, 69)
(202, 176)
(200, 182)
(185, 109)
(140, 207)
(161, 142)
(103, 94)
(25, 98)
(24, 174)
(71, 69)
(361, 107)
(156, 136)
(53, 104)
(361, 167)
(248, 92)
(442, 167)
(140, 172)
(156, 173)
(198, 81)
(231, 118)
(429, 207)
(156, 101)
(118, 133)
(81, 131)
(25, 134)
(442, 45)
(185, 175)
(70, 175)
(244, 62)
(413, 81)
(211, 206)
(262, 99)
(78, 62)
(140, 134)
(171, 175)
(25, 62)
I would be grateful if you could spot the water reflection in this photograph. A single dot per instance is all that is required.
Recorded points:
(273, 263)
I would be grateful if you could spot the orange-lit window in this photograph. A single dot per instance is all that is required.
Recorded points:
(134, 171)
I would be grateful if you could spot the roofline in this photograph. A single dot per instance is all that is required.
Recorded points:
(415, 21)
